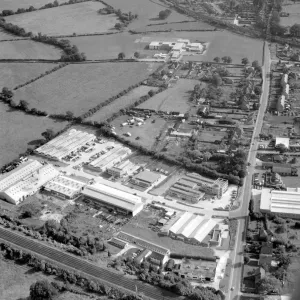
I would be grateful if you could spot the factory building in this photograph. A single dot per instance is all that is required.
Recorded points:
(196, 230)
(25, 180)
(283, 203)
(65, 144)
(145, 179)
(176, 46)
(66, 187)
(121, 169)
(104, 196)
(109, 159)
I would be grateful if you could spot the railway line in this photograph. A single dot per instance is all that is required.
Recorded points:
(83, 266)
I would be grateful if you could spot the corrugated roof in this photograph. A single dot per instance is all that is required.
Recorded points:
(205, 230)
(147, 176)
(181, 221)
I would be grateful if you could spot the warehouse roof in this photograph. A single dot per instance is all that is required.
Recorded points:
(280, 201)
(187, 230)
(147, 176)
(205, 230)
(185, 217)
(284, 141)
(113, 196)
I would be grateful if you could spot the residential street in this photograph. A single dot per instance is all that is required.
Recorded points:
(242, 213)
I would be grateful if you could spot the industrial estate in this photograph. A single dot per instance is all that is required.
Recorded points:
(150, 150)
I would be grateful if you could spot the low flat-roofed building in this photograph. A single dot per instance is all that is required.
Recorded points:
(281, 103)
(178, 47)
(186, 183)
(66, 187)
(65, 144)
(284, 79)
(286, 90)
(154, 45)
(283, 141)
(181, 134)
(106, 196)
(109, 159)
(145, 179)
(185, 193)
(121, 169)
(281, 169)
(283, 203)
(118, 243)
(25, 180)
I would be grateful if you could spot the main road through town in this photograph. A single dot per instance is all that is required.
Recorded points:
(242, 213)
(104, 275)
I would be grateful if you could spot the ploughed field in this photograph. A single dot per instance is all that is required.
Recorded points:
(19, 131)
(13, 74)
(78, 18)
(79, 87)
(27, 49)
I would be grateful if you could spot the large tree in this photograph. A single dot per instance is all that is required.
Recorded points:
(121, 55)
(295, 30)
(42, 290)
(48, 134)
(268, 285)
(245, 61)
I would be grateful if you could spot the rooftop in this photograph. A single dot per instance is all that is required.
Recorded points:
(284, 141)
(147, 176)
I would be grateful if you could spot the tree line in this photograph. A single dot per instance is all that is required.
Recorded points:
(71, 53)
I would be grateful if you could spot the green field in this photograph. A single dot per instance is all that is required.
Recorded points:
(25, 49)
(175, 98)
(6, 36)
(77, 18)
(15, 4)
(294, 17)
(121, 103)
(19, 131)
(13, 74)
(80, 87)
(192, 25)
(147, 12)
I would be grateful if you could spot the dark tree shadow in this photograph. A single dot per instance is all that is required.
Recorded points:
(35, 142)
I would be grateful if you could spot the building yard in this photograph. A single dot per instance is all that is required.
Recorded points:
(78, 18)
(81, 87)
(121, 103)
(26, 49)
(13, 74)
(175, 98)
(21, 131)
(140, 226)
(147, 12)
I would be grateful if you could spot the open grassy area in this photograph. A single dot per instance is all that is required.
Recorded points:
(77, 18)
(26, 49)
(147, 12)
(121, 103)
(80, 87)
(294, 17)
(13, 74)
(15, 4)
(139, 226)
(191, 25)
(19, 131)
(7, 36)
(175, 98)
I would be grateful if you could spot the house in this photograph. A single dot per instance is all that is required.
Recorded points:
(260, 273)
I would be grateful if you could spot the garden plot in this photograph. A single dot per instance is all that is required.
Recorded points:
(13, 74)
(78, 88)
(147, 12)
(212, 135)
(78, 18)
(20, 131)
(26, 49)
(175, 98)
(121, 103)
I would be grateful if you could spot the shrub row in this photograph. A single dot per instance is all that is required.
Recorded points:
(41, 75)
(181, 256)
(69, 276)
(168, 30)
(233, 224)
(71, 53)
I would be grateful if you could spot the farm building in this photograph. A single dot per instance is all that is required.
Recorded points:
(65, 144)
(25, 180)
(118, 243)
(142, 256)
(204, 270)
(104, 196)
(195, 230)
(121, 169)
(282, 141)
(145, 179)
(284, 203)
(281, 169)
(66, 187)
(109, 159)
(181, 134)
(160, 251)
(281, 103)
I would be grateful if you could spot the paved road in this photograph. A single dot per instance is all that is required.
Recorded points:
(73, 262)
(242, 213)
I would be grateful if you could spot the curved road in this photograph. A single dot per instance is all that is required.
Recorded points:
(242, 213)
(73, 262)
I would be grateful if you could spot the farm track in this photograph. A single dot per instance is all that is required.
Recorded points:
(84, 266)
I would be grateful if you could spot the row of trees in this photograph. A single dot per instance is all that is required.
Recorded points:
(224, 59)
(71, 53)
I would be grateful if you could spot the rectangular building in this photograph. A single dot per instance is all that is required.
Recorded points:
(281, 103)
(145, 179)
(65, 144)
(66, 187)
(105, 196)
(283, 203)
(185, 193)
(281, 169)
(283, 141)
(25, 180)
(121, 169)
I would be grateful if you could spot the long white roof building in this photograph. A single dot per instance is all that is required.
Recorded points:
(65, 143)
(25, 180)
